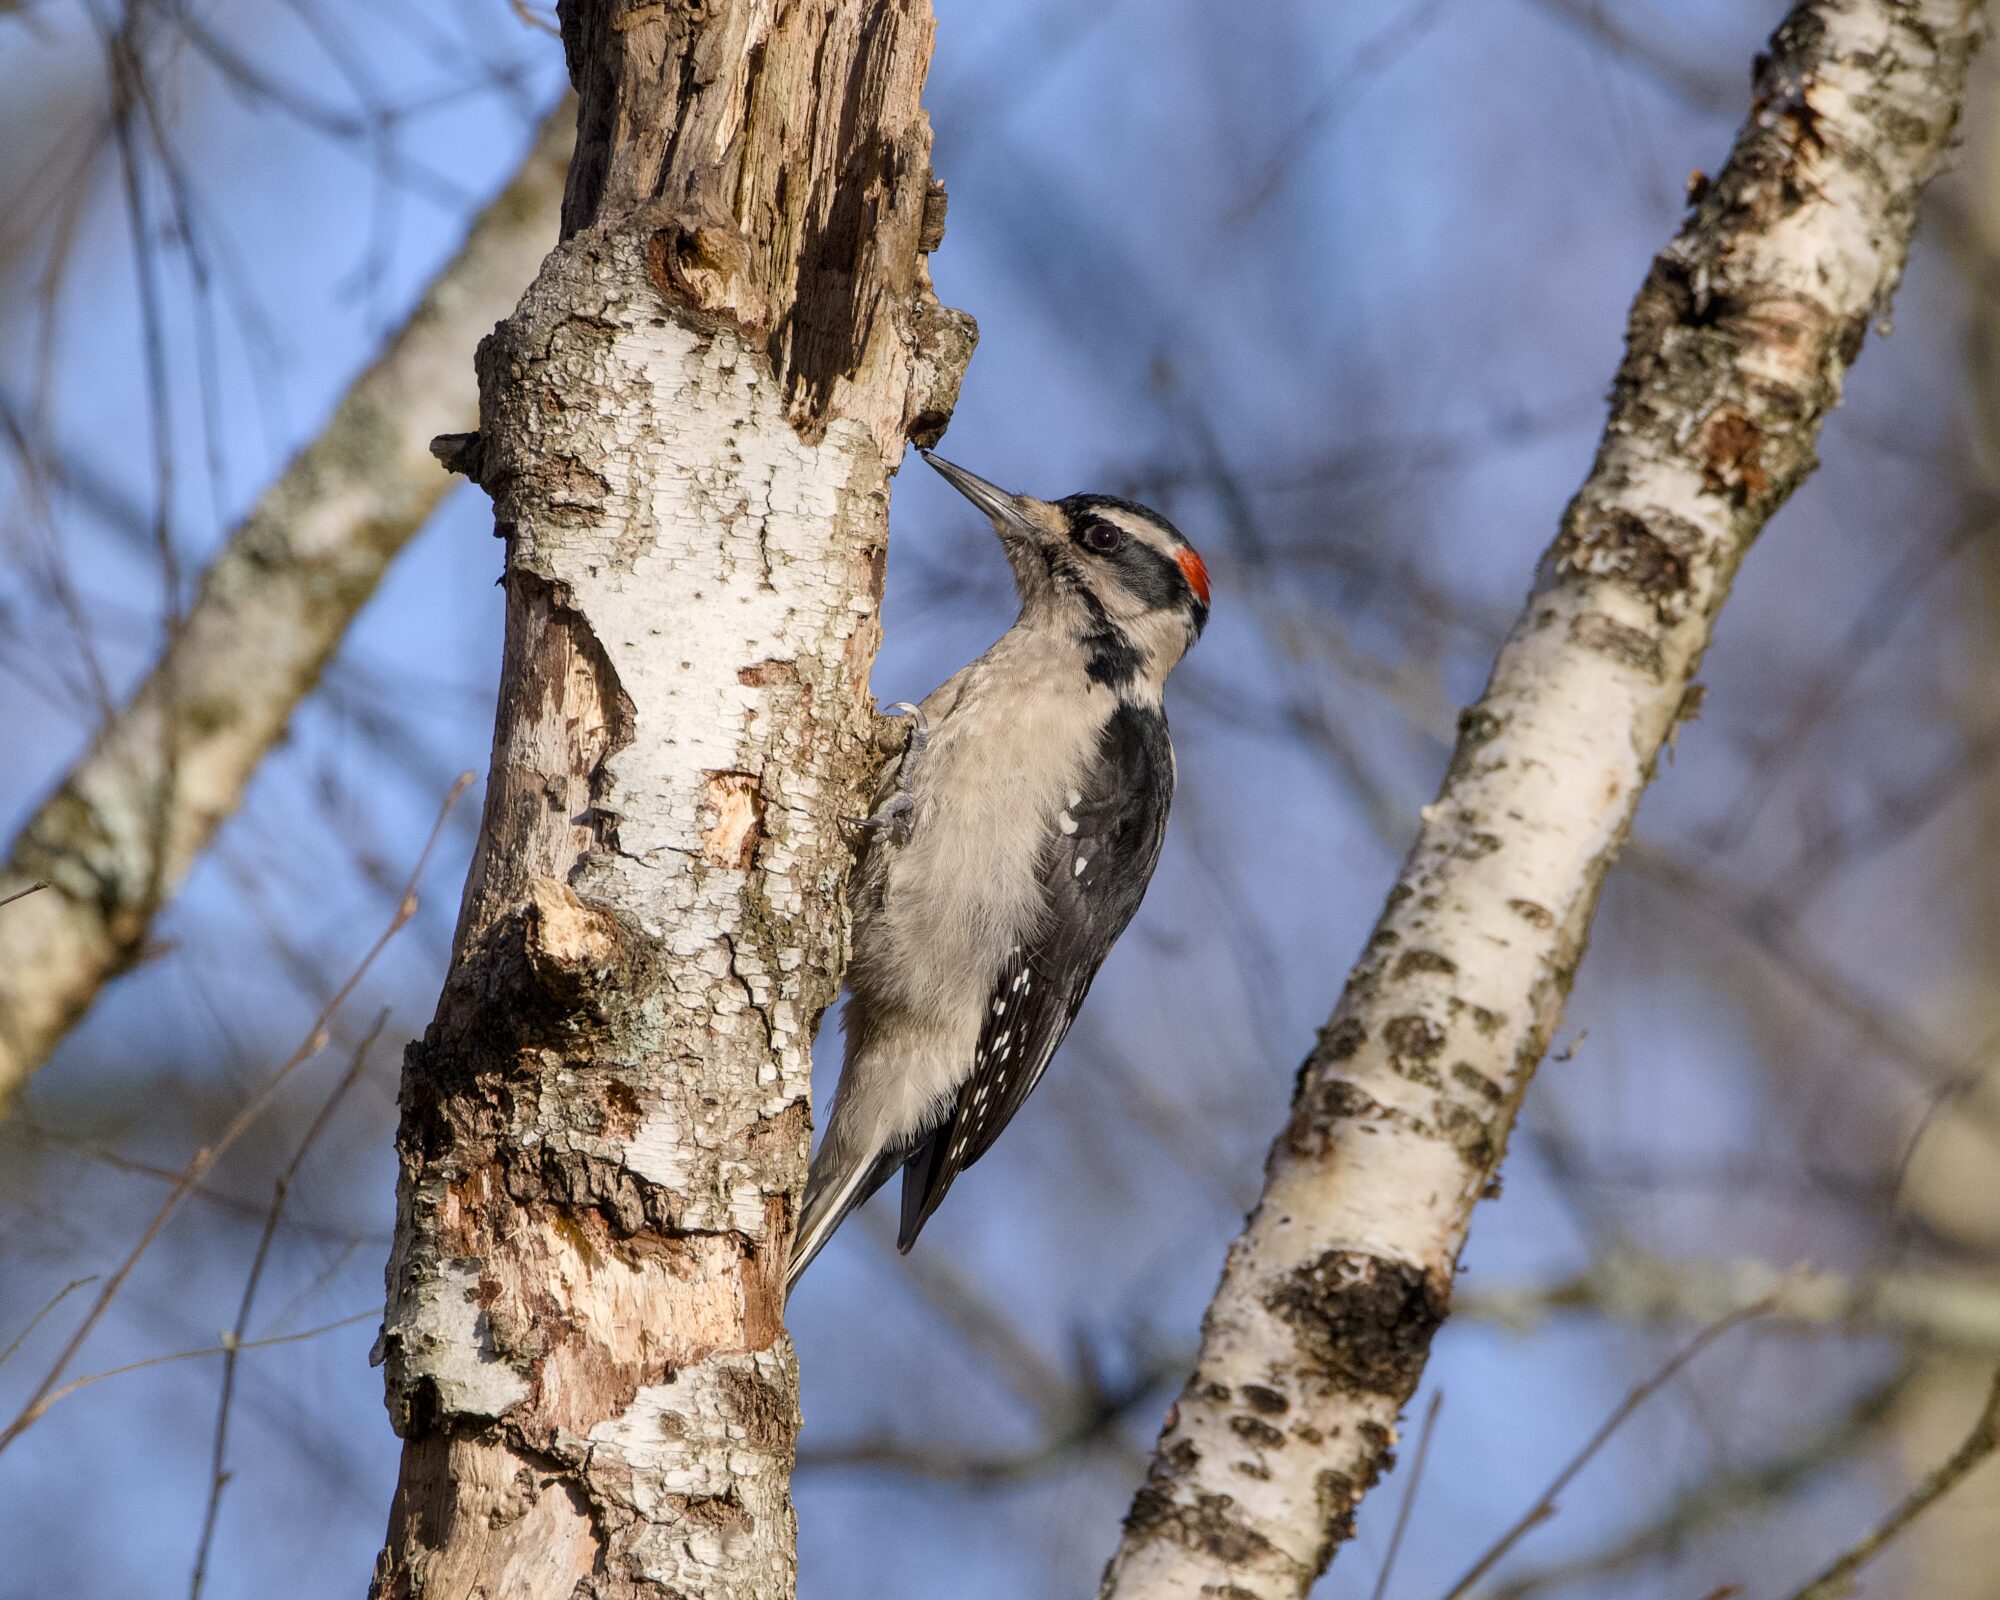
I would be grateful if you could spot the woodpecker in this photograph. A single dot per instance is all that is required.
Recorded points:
(1009, 846)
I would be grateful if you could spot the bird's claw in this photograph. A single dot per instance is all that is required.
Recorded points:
(897, 815)
(919, 740)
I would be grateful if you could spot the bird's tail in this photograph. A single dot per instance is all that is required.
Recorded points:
(834, 1189)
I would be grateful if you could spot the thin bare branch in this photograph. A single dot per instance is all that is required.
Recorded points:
(227, 1347)
(41, 1316)
(1724, 1498)
(1979, 1444)
(1409, 1501)
(46, 1393)
(1925, 1307)
(1546, 1506)
(280, 1190)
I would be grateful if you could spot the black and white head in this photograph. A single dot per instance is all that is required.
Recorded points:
(1118, 574)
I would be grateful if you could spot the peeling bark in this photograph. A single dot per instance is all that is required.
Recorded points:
(1736, 350)
(126, 823)
(687, 428)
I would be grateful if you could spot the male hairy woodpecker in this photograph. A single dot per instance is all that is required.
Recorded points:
(1009, 846)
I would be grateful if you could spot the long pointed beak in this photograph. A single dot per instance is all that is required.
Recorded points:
(997, 503)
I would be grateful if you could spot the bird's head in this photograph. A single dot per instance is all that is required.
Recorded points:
(1119, 574)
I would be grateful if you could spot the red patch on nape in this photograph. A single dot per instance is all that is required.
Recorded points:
(1194, 571)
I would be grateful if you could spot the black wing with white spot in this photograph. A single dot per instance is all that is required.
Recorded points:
(1095, 868)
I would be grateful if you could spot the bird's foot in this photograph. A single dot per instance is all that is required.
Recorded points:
(897, 815)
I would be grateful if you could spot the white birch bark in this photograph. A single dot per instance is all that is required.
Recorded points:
(118, 835)
(1736, 349)
(687, 428)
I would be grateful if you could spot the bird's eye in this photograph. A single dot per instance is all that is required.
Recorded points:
(1103, 537)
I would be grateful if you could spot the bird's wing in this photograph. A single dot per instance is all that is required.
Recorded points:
(1094, 869)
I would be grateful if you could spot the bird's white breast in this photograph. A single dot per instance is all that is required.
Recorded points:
(1010, 738)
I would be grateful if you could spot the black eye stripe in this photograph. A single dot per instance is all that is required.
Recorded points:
(1152, 577)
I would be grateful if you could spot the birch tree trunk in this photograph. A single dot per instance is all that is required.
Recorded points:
(1736, 349)
(126, 823)
(687, 428)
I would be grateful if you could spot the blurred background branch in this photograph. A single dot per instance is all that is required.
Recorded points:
(166, 768)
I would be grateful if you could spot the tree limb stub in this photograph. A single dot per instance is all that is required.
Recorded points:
(126, 823)
(1736, 349)
(687, 429)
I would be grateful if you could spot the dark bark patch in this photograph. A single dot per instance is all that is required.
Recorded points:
(1467, 1076)
(1470, 1134)
(1628, 646)
(569, 493)
(1211, 1526)
(1534, 914)
(930, 235)
(1342, 1040)
(1363, 1322)
(1651, 556)
(1416, 961)
(1339, 1494)
(1267, 1401)
(1484, 1018)
(1256, 1431)
(864, 221)
(1476, 726)
(1413, 1038)
(622, 1112)
(1324, 1105)
(763, 1410)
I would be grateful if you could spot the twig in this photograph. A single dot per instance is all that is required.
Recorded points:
(1409, 1496)
(1722, 1500)
(41, 1316)
(1923, 1308)
(118, 1161)
(1088, 1430)
(224, 1348)
(46, 1393)
(1545, 1507)
(218, 1470)
(21, 894)
(1979, 1444)
(987, 1329)
(532, 17)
